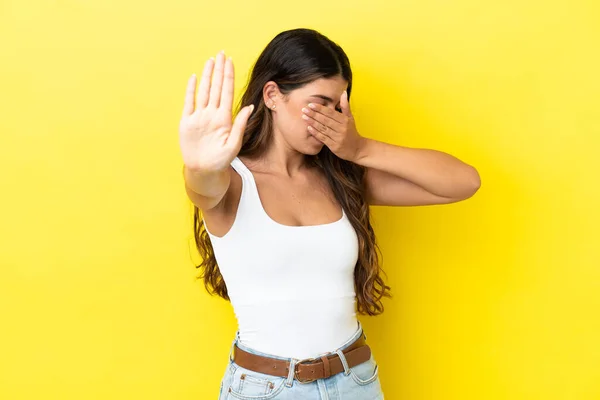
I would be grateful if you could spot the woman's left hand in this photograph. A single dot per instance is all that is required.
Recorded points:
(337, 130)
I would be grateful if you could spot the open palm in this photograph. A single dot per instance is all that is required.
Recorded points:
(209, 140)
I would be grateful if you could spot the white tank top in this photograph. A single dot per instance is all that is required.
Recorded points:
(291, 287)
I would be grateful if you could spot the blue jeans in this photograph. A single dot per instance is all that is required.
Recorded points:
(360, 382)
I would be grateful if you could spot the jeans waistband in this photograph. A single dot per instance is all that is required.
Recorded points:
(236, 341)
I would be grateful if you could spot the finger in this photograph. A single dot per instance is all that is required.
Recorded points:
(320, 127)
(320, 136)
(345, 104)
(239, 127)
(203, 90)
(188, 103)
(317, 125)
(228, 83)
(334, 115)
(322, 119)
(217, 81)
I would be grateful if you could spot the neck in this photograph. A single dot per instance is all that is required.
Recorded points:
(281, 158)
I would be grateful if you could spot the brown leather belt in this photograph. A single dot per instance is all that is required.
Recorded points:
(307, 370)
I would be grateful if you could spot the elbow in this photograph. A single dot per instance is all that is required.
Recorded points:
(472, 182)
(466, 185)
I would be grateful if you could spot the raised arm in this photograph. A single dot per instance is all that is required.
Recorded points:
(208, 139)
(396, 175)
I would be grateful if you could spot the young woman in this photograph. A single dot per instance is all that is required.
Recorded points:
(284, 192)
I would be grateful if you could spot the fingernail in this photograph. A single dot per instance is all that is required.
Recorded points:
(251, 108)
(305, 110)
(304, 116)
(311, 105)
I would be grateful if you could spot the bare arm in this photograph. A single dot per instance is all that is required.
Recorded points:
(403, 176)
(204, 188)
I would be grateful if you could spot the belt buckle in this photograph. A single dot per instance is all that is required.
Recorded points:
(296, 370)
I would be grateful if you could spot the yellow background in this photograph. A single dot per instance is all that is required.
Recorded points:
(495, 298)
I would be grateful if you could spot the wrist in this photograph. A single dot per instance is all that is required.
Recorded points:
(203, 169)
(362, 150)
(205, 182)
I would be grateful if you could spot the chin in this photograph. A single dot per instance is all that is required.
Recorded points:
(310, 146)
(312, 149)
(312, 152)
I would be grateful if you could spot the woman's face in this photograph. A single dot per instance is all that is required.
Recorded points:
(287, 116)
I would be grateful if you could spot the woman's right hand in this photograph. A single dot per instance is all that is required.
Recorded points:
(209, 140)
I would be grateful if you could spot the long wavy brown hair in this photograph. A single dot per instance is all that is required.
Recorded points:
(292, 59)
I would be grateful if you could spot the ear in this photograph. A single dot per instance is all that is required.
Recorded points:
(271, 94)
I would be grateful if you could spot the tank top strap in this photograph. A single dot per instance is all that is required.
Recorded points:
(241, 169)
(250, 196)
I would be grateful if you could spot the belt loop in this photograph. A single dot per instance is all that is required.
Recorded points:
(362, 330)
(326, 366)
(290, 379)
(344, 362)
(235, 339)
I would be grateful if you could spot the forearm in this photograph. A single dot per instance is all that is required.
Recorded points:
(210, 184)
(437, 172)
